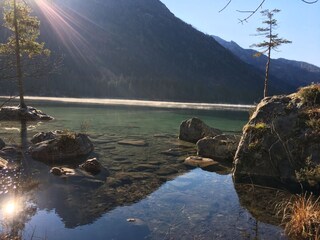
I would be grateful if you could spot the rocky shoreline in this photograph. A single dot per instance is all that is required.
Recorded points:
(279, 146)
(98, 172)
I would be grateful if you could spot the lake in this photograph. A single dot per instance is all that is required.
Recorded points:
(149, 194)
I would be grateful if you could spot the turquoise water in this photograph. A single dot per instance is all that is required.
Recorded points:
(148, 195)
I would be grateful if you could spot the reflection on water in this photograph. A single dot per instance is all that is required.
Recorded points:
(149, 194)
(196, 205)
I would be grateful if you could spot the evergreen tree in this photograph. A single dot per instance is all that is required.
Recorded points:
(22, 43)
(272, 41)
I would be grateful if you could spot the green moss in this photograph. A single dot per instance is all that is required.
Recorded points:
(257, 132)
(254, 146)
(258, 127)
(261, 126)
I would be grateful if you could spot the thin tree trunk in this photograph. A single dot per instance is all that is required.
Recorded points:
(18, 57)
(265, 91)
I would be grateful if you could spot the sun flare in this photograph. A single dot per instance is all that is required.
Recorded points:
(9, 208)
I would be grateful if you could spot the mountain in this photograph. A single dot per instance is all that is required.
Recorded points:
(293, 73)
(138, 49)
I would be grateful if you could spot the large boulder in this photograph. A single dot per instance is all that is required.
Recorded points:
(27, 114)
(281, 142)
(194, 129)
(220, 148)
(61, 145)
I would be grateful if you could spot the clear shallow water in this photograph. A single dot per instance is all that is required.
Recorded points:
(167, 199)
(196, 205)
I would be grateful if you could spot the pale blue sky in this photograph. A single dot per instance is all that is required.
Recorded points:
(298, 22)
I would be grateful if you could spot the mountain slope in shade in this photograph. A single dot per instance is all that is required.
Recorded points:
(138, 49)
(293, 73)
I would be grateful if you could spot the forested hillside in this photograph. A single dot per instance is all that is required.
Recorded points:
(138, 49)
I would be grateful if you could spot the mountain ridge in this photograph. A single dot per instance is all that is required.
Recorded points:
(293, 72)
(140, 50)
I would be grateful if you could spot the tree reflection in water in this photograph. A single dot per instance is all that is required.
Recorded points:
(16, 190)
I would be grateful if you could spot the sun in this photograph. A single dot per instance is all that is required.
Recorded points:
(9, 208)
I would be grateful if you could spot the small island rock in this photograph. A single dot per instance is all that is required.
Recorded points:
(220, 148)
(194, 129)
(65, 145)
(27, 114)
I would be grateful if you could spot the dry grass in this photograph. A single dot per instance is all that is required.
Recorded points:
(301, 217)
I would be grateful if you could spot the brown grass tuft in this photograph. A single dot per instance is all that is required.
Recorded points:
(301, 217)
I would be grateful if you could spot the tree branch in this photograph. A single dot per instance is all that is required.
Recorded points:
(310, 2)
(252, 12)
(225, 6)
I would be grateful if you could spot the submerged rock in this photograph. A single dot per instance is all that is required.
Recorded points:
(132, 142)
(62, 145)
(281, 142)
(27, 114)
(124, 178)
(11, 153)
(220, 148)
(175, 152)
(194, 129)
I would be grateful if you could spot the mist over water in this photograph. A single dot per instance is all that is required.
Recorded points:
(144, 103)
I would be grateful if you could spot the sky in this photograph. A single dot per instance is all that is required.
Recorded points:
(298, 22)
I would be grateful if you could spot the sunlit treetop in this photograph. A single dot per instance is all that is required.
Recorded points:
(28, 28)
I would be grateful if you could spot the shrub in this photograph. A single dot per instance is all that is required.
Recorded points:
(314, 124)
(301, 217)
(310, 94)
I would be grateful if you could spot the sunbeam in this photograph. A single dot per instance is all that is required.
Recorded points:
(67, 28)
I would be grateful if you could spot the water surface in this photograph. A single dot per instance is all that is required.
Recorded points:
(148, 195)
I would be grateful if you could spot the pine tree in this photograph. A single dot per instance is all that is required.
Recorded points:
(272, 41)
(22, 43)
